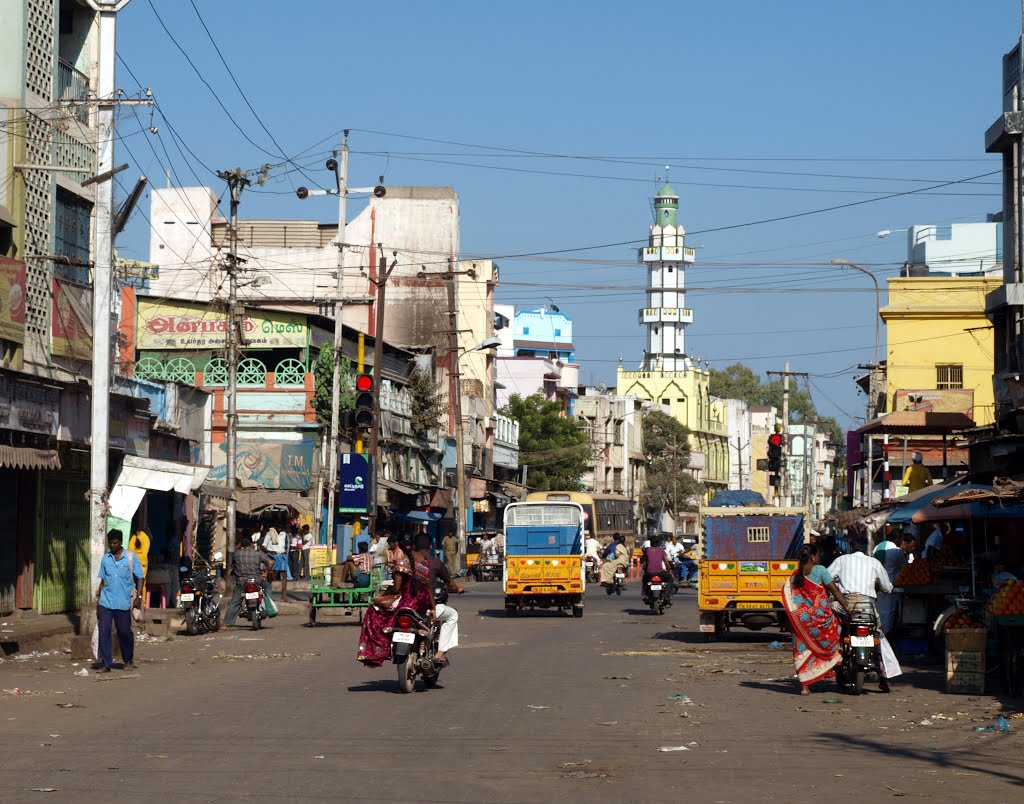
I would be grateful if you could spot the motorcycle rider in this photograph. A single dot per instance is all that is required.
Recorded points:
(592, 549)
(444, 614)
(247, 562)
(655, 561)
(617, 561)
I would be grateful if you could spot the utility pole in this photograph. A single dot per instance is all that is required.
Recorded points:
(99, 457)
(381, 283)
(237, 181)
(739, 459)
(786, 374)
(339, 346)
(460, 458)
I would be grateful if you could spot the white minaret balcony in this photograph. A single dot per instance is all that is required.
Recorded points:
(666, 315)
(667, 254)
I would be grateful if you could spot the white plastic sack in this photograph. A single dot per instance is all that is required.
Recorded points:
(889, 661)
(96, 642)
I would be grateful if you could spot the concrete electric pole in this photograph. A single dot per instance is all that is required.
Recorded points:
(237, 180)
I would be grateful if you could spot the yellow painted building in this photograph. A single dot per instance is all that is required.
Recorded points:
(685, 393)
(939, 340)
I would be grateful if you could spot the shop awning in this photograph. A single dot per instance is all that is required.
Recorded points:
(917, 422)
(215, 490)
(28, 458)
(139, 475)
(394, 485)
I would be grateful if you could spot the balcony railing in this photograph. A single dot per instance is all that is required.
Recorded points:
(73, 86)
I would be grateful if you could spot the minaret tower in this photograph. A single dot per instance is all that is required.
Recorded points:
(665, 315)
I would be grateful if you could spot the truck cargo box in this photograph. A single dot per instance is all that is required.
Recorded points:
(754, 533)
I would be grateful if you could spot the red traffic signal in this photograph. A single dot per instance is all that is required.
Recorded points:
(364, 382)
(775, 440)
(365, 402)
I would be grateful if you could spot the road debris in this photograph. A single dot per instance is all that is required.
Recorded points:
(82, 672)
(607, 723)
(665, 749)
(682, 700)
(535, 706)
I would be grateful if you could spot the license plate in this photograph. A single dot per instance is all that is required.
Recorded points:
(403, 636)
(620, 575)
(544, 589)
(251, 595)
(862, 642)
(753, 605)
(186, 597)
(655, 587)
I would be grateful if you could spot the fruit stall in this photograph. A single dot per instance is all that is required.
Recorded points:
(1004, 613)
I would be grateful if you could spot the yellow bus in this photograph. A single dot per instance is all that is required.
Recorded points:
(603, 514)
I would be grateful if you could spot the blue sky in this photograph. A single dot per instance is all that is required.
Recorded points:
(751, 102)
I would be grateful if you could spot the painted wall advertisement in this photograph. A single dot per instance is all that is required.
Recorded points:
(165, 326)
(354, 482)
(268, 464)
(70, 310)
(12, 300)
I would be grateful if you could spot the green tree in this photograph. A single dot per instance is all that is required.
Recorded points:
(738, 381)
(555, 448)
(323, 383)
(669, 482)
(426, 402)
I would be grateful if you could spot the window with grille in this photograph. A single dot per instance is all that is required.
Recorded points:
(950, 376)
(72, 231)
(759, 534)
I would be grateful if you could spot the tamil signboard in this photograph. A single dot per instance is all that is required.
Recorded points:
(936, 400)
(353, 484)
(171, 325)
(12, 300)
(71, 321)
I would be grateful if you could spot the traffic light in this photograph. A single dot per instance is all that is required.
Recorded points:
(775, 452)
(365, 401)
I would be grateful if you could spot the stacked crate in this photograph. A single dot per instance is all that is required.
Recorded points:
(965, 660)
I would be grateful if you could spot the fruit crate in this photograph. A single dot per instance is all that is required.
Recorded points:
(966, 639)
(965, 672)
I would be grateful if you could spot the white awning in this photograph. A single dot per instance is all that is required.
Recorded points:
(139, 475)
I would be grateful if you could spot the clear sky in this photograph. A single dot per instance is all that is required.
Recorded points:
(553, 121)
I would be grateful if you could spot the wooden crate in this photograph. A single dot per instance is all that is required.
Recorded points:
(965, 639)
(965, 672)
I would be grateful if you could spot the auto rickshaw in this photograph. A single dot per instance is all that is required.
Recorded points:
(481, 571)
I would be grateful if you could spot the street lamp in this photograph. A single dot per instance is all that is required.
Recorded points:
(872, 402)
(886, 232)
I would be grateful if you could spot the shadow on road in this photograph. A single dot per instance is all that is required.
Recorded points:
(967, 760)
(736, 638)
(390, 685)
(786, 687)
(501, 613)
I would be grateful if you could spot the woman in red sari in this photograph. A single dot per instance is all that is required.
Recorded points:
(411, 589)
(815, 628)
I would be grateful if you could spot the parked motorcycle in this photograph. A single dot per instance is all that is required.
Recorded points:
(593, 569)
(657, 593)
(413, 647)
(199, 597)
(862, 657)
(254, 608)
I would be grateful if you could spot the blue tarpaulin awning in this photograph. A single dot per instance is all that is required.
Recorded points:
(904, 514)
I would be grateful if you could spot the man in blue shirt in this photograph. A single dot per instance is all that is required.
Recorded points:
(120, 572)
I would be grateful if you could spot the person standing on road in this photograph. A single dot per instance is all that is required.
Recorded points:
(120, 588)
(307, 543)
(276, 544)
(815, 628)
(248, 561)
(446, 615)
(450, 546)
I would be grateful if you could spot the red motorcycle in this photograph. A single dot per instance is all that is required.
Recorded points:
(254, 608)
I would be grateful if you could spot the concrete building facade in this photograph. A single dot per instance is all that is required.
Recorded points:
(614, 425)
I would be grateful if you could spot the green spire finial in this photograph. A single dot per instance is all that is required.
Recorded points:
(666, 205)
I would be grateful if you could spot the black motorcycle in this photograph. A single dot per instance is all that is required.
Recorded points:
(199, 597)
(657, 592)
(861, 654)
(413, 647)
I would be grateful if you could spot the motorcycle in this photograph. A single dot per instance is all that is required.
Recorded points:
(200, 597)
(657, 593)
(618, 583)
(593, 569)
(254, 608)
(413, 647)
(861, 654)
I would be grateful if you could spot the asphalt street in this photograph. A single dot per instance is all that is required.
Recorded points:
(621, 705)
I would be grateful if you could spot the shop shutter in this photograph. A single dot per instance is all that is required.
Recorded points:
(8, 539)
(62, 546)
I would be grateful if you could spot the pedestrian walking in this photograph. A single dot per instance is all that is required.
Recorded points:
(276, 544)
(307, 543)
(294, 551)
(450, 546)
(120, 588)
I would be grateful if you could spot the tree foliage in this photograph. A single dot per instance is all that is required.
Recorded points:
(669, 482)
(426, 402)
(555, 448)
(739, 381)
(323, 383)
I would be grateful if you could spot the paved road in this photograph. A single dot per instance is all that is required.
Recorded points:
(536, 708)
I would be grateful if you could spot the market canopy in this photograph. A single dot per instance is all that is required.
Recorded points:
(969, 510)
(918, 500)
(139, 475)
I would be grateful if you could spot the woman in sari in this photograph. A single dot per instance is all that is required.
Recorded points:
(618, 562)
(411, 589)
(815, 628)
